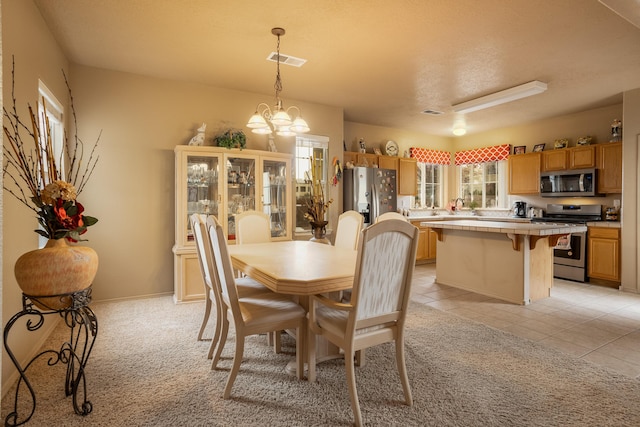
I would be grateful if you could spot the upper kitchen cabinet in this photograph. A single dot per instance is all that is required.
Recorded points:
(524, 173)
(555, 160)
(407, 171)
(388, 162)
(581, 157)
(609, 164)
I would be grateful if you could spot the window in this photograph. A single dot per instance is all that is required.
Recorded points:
(307, 147)
(430, 185)
(50, 109)
(480, 184)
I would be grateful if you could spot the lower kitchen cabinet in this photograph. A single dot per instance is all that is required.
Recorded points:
(427, 241)
(604, 253)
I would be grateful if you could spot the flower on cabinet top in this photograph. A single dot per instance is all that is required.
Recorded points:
(40, 180)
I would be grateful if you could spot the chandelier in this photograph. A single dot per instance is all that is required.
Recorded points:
(265, 120)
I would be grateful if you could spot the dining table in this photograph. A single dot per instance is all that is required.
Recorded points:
(299, 268)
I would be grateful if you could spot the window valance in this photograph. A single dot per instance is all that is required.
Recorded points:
(483, 155)
(434, 157)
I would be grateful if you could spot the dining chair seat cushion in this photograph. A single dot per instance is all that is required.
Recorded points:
(247, 286)
(335, 321)
(265, 310)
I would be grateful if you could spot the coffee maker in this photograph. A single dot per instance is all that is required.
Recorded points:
(520, 209)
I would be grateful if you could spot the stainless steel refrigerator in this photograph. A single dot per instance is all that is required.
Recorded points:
(370, 191)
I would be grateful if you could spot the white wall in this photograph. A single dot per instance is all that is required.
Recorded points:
(37, 55)
(631, 191)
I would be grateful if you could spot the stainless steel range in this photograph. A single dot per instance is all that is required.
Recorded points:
(570, 255)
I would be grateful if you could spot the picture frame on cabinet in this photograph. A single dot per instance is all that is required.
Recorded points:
(377, 151)
(538, 147)
(520, 149)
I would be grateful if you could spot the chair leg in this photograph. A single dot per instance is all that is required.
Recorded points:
(216, 335)
(361, 357)
(402, 370)
(237, 360)
(351, 383)
(207, 312)
(311, 355)
(299, 356)
(223, 339)
(277, 342)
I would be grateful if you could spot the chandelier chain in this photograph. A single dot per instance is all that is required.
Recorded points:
(278, 84)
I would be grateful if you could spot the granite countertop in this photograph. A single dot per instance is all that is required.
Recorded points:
(507, 227)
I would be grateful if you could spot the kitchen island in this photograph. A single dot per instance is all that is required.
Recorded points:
(505, 260)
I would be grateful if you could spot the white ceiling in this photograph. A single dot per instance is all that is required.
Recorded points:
(382, 61)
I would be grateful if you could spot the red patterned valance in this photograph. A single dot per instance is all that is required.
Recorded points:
(434, 157)
(483, 155)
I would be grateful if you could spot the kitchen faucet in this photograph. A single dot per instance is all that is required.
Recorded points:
(455, 202)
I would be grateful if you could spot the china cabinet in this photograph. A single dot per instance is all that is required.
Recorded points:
(223, 182)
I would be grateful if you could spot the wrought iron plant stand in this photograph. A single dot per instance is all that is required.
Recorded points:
(83, 326)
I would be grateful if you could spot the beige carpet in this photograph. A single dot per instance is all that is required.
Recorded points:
(147, 369)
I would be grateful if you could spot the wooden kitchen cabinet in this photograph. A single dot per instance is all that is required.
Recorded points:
(603, 260)
(524, 173)
(388, 162)
(582, 157)
(427, 241)
(609, 165)
(555, 160)
(407, 171)
(350, 156)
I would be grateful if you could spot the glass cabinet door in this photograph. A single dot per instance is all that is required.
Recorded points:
(241, 189)
(274, 195)
(202, 187)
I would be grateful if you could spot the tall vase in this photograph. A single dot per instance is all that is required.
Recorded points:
(319, 230)
(57, 269)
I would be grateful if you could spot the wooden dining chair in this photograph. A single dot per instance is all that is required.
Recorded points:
(250, 316)
(378, 307)
(246, 288)
(348, 230)
(391, 215)
(253, 227)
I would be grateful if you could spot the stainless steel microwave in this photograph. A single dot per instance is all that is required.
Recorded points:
(568, 183)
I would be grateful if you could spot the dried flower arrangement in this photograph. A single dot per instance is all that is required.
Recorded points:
(40, 181)
(315, 203)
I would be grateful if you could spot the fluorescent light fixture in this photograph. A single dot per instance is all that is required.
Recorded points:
(528, 89)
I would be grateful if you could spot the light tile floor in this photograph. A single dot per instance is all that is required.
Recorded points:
(594, 323)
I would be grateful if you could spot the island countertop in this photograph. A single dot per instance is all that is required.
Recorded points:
(531, 229)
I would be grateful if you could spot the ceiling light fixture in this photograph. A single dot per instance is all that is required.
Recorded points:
(528, 89)
(459, 130)
(264, 118)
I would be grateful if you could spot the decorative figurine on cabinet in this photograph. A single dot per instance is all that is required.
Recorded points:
(616, 131)
(363, 145)
(198, 139)
(271, 146)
